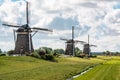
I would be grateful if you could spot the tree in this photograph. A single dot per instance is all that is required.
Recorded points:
(78, 51)
(0, 51)
(10, 52)
(117, 53)
(59, 51)
(107, 52)
(47, 50)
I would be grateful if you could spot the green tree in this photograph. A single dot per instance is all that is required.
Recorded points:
(78, 51)
(107, 52)
(59, 51)
(117, 53)
(47, 50)
(10, 52)
(0, 51)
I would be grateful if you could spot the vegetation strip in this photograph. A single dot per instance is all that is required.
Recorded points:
(29, 68)
(84, 71)
(109, 70)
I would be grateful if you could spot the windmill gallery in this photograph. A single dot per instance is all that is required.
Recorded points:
(23, 43)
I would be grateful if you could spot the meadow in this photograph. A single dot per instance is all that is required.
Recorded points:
(29, 68)
(109, 70)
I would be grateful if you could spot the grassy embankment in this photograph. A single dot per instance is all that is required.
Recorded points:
(29, 68)
(109, 70)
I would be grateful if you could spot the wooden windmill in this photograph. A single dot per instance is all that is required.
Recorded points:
(86, 49)
(70, 44)
(23, 44)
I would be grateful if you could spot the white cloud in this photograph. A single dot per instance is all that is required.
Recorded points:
(113, 19)
(97, 18)
(8, 45)
(54, 43)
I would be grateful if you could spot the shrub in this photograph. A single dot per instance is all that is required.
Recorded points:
(2, 54)
(56, 54)
(93, 56)
(81, 55)
(42, 55)
(49, 57)
(35, 54)
(11, 52)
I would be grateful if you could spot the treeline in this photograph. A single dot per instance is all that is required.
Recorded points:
(58, 52)
(50, 54)
(0, 51)
(48, 50)
(108, 53)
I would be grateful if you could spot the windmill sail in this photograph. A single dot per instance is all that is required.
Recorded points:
(43, 29)
(27, 18)
(10, 25)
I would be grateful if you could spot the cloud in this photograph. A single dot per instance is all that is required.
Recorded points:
(7, 45)
(99, 18)
(112, 19)
(117, 6)
(88, 4)
(111, 40)
(63, 24)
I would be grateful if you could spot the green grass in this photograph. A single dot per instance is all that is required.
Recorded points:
(29, 68)
(109, 70)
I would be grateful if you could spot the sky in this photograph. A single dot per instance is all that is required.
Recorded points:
(98, 18)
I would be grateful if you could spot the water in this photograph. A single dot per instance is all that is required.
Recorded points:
(83, 72)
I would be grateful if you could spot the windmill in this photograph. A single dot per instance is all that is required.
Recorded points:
(86, 49)
(70, 44)
(23, 43)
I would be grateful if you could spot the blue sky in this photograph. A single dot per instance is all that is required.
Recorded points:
(98, 18)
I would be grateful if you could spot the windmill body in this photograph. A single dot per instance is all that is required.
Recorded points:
(23, 43)
(86, 49)
(70, 47)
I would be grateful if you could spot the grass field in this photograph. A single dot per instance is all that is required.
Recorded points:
(109, 70)
(29, 68)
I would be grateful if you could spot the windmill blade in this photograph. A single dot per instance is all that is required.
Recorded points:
(68, 43)
(72, 32)
(64, 39)
(34, 33)
(14, 35)
(82, 42)
(27, 15)
(42, 29)
(94, 45)
(11, 25)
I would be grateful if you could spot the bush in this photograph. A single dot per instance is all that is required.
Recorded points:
(42, 55)
(56, 54)
(2, 54)
(35, 54)
(49, 57)
(93, 56)
(81, 55)
(11, 52)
